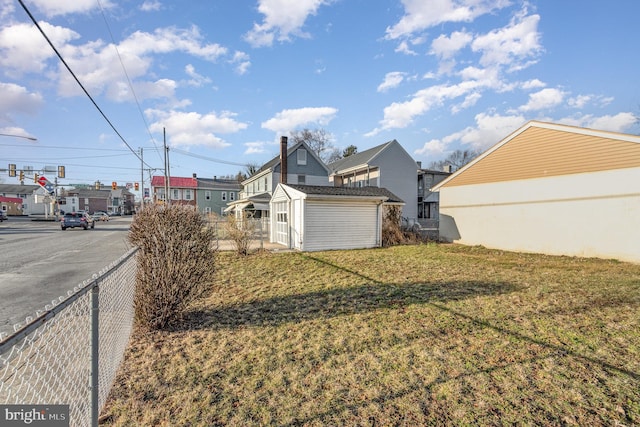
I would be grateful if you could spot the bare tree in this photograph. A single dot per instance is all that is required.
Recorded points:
(456, 160)
(250, 169)
(318, 140)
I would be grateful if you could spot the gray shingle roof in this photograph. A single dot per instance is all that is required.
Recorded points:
(347, 191)
(359, 158)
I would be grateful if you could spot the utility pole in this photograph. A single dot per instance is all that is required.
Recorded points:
(141, 180)
(167, 172)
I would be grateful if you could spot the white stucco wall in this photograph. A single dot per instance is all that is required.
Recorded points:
(592, 214)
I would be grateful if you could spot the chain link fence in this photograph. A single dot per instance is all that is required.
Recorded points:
(70, 353)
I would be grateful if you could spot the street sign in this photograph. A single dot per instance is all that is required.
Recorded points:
(46, 184)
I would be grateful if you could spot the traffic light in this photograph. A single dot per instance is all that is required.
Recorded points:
(12, 170)
(60, 171)
(35, 177)
(114, 185)
(21, 176)
(136, 186)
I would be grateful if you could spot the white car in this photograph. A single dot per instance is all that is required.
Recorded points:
(100, 216)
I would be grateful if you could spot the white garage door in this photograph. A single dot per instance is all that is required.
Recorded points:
(345, 225)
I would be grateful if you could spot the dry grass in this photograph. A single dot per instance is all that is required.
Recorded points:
(412, 335)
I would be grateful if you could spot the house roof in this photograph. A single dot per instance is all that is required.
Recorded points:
(325, 190)
(540, 149)
(175, 182)
(18, 188)
(90, 193)
(360, 159)
(218, 184)
(10, 199)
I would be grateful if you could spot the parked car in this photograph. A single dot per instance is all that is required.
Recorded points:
(100, 216)
(3, 216)
(77, 219)
(114, 213)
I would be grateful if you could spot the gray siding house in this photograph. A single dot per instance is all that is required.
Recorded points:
(213, 195)
(302, 166)
(387, 165)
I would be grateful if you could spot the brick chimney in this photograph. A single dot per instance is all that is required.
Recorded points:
(283, 159)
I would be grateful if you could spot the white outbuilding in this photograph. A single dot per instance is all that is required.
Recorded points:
(552, 189)
(315, 218)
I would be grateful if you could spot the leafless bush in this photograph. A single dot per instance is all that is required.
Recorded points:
(241, 231)
(392, 232)
(175, 263)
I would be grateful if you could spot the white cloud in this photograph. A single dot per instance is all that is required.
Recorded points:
(544, 99)
(532, 84)
(257, 147)
(403, 47)
(391, 80)
(421, 15)
(241, 61)
(469, 101)
(98, 66)
(16, 99)
(446, 47)
(515, 45)
(24, 50)
(289, 120)
(63, 7)
(620, 122)
(151, 6)
(488, 131)
(191, 128)
(579, 101)
(196, 79)
(282, 20)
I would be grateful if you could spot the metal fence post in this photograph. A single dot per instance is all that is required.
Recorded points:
(95, 347)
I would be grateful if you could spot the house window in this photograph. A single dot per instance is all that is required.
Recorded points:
(187, 194)
(207, 195)
(224, 196)
(207, 210)
(302, 179)
(161, 194)
(302, 156)
(265, 183)
(175, 194)
(232, 195)
(86, 201)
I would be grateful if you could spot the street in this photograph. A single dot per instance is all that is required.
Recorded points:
(39, 262)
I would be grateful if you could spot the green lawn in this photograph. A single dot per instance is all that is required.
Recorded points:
(409, 335)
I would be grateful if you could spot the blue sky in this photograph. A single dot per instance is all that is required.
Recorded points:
(227, 78)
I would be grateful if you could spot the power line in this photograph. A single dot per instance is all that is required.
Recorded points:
(124, 69)
(77, 80)
(211, 159)
(40, 147)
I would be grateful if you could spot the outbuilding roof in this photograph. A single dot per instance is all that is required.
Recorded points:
(347, 191)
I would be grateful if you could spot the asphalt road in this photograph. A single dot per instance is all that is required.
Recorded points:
(39, 262)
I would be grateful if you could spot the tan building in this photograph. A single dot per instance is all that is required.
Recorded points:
(549, 188)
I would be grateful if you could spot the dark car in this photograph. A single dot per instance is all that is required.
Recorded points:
(3, 216)
(76, 219)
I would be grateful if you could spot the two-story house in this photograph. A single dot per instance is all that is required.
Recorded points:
(212, 195)
(386, 166)
(182, 191)
(295, 165)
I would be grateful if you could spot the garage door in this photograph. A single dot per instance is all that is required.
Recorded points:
(347, 225)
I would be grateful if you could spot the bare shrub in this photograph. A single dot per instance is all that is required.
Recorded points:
(392, 232)
(241, 231)
(175, 263)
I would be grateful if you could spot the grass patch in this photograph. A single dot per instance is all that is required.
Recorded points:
(411, 335)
